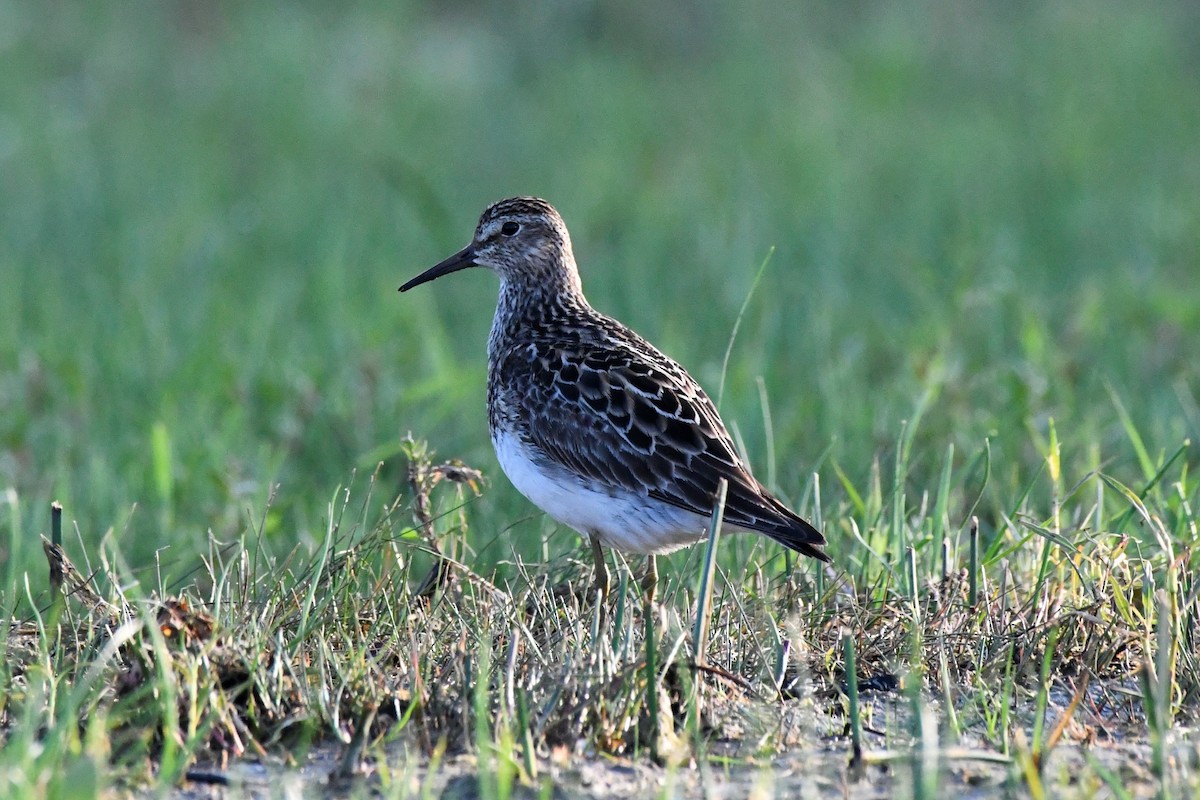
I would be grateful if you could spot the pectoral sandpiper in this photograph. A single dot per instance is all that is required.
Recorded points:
(591, 422)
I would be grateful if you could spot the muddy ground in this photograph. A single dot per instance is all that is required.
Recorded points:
(1088, 762)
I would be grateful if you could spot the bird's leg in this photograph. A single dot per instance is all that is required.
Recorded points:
(601, 569)
(650, 580)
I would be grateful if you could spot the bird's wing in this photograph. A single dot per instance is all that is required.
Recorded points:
(629, 417)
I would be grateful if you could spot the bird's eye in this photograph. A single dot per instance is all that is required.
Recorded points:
(509, 228)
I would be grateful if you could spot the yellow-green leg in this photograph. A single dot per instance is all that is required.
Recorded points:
(650, 581)
(602, 584)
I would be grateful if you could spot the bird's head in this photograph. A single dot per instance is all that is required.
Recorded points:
(523, 240)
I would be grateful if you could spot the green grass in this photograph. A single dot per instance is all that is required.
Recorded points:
(980, 231)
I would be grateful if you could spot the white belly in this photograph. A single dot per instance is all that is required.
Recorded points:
(620, 519)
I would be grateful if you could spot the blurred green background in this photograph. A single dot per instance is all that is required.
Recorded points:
(208, 206)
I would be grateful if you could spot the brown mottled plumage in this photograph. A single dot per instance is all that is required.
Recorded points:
(590, 421)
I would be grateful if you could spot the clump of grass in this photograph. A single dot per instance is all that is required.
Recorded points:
(383, 633)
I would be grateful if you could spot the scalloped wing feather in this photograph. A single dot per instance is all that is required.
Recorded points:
(625, 416)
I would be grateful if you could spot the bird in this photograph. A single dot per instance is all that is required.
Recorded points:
(593, 424)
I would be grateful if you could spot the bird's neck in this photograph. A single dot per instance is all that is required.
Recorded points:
(535, 301)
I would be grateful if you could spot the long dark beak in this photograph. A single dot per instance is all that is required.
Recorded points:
(461, 260)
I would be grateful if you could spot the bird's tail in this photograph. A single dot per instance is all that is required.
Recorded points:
(797, 534)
